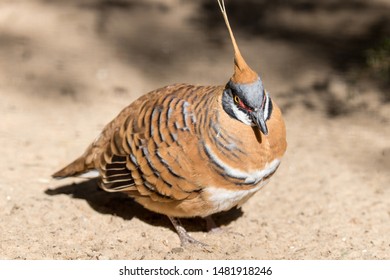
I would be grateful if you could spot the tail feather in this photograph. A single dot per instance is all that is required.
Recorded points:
(76, 168)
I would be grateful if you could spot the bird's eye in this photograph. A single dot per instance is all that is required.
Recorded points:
(237, 99)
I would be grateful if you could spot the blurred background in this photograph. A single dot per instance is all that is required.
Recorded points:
(67, 67)
(338, 50)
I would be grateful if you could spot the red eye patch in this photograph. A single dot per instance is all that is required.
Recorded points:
(243, 106)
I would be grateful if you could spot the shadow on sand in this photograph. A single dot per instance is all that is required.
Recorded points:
(119, 204)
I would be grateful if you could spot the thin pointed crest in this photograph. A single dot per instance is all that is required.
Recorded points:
(242, 72)
(221, 4)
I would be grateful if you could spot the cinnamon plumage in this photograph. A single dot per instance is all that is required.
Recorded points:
(188, 151)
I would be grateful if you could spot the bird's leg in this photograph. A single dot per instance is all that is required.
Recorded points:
(185, 238)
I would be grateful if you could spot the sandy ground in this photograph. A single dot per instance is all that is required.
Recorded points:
(68, 67)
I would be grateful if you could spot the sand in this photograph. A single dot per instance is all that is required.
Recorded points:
(68, 67)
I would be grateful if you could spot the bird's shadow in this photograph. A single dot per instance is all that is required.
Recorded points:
(121, 205)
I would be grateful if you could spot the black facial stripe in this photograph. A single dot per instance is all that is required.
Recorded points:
(270, 108)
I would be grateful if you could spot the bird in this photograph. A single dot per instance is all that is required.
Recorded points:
(188, 151)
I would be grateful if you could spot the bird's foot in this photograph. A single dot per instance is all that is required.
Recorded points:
(185, 238)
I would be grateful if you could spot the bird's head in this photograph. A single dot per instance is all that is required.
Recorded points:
(244, 97)
(248, 103)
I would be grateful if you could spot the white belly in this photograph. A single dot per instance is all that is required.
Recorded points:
(223, 199)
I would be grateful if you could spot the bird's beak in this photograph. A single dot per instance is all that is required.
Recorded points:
(258, 119)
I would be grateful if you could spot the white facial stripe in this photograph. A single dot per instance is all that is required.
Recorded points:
(241, 115)
(251, 176)
(266, 106)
